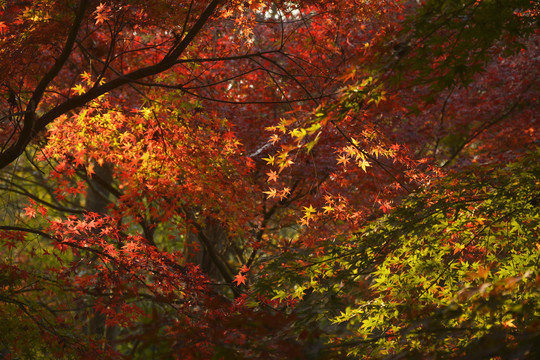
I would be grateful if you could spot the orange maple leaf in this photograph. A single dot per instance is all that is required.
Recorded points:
(274, 138)
(284, 193)
(102, 13)
(90, 170)
(342, 159)
(272, 175)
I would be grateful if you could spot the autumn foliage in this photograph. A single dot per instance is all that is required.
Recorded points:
(255, 179)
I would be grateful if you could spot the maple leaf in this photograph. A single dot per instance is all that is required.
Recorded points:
(284, 193)
(274, 138)
(272, 175)
(87, 77)
(79, 89)
(3, 27)
(271, 193)
(90, 169)
(102, 13)
(30, 212)
(304, 221)
(239, 279)
(309, 212)
(363, 163)
(285, 164)
(42, 210)
(342, 159)
(269, 160)
(244, 269)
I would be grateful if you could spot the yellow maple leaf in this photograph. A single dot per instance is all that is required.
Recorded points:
(363, 163)
(79, 89)
(271, 193)
(270, 160)
(328, 209)
(509, 323)
(309, 212)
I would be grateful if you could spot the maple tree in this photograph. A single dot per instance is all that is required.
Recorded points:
(256, 179)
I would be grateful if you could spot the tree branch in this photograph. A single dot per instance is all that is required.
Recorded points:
(29, 123)
(32, 126)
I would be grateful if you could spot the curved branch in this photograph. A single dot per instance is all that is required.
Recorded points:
(33, 126)
(29, 123)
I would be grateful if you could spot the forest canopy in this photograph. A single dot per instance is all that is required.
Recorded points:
(224, 179)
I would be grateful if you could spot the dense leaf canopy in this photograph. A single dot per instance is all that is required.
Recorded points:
(254, 179)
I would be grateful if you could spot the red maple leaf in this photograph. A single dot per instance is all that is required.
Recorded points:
(30, 212)
(240, 279)
(3, 27)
